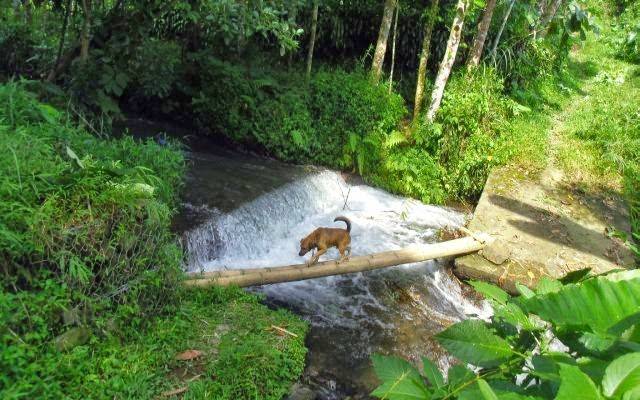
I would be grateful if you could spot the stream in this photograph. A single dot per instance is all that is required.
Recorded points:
(242, 211)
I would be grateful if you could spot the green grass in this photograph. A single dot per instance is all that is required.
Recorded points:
(526, 141)
(85, 244)
(245, 359)
(600, 138)
(603, 133)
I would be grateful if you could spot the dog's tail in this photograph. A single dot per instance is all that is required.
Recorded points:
(345, 220)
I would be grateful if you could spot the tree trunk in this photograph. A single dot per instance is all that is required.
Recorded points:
(293, 15)
(547, 16)
(383, 35)
(312, 39)
(63, 35)
(86, 31)
(481, 36)
(16, 8)
(263, 276)
(542, 5)
(494, 50)
(448, 59)
(27, 11)
(393, 48)
(424, 57)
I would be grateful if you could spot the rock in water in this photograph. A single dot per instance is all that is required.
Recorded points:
(301, 392)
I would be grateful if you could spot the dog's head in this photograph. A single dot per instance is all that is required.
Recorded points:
(306, 245)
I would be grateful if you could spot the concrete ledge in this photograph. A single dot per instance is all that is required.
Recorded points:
(549, 227)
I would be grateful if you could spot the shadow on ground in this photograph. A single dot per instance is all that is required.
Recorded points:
(561, 228)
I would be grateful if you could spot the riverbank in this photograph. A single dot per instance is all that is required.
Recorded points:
(91, 303)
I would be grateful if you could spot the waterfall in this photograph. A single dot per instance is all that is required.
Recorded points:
(266, 232)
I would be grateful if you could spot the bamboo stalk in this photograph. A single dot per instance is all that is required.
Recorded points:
(268, 275)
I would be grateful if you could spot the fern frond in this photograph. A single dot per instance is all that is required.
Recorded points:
(394, 139)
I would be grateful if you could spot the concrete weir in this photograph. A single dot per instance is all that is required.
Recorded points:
(547, 227)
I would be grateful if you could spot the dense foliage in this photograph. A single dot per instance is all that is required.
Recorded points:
(75, 205)
(91, 304)
(234, 72)
(572, 338)
(626, 29)
(335, 119)
(85, 244)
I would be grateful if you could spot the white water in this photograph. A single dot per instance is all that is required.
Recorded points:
(266, 232)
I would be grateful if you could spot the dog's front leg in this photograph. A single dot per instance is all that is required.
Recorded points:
(316, 257)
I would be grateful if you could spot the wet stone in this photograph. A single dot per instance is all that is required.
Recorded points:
(301, 392)
(497, 252)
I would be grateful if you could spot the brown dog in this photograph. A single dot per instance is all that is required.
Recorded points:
(324, 238)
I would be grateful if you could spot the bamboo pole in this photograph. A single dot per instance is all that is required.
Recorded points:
(264, 276)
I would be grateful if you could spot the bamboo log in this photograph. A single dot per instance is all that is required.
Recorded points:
(263, 276)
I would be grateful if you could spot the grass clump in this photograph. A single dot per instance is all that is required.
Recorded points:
(601, 137)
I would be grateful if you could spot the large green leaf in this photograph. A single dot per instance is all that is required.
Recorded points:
(575, 384)
(504, 390)
(471, 341)
(548, 285)
(490, 291)
(459, 374)
(597, 342)
(575, 276)
(432, 373)
(624, 325)
(486, 391)
(401, 381)
(622, 375)
(513, 314)
(544, 367)
(598, 303)
(594, 367)
(525, 291)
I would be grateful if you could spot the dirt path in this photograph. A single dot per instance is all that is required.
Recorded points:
(549, 223)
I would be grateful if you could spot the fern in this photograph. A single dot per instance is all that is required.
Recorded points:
(394, 139)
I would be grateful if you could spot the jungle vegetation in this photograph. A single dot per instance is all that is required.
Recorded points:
(421, 98)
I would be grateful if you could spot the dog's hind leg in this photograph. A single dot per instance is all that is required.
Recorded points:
(345, 252)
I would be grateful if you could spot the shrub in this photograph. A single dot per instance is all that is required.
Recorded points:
(96, 85)
(466, 135)
(346, 109)
(94, 213)
(224, 99)
(154, 69)
(565, 340)
(336, 120)
(527, 65)
(626, 31)
(412, 172)
(17, 46)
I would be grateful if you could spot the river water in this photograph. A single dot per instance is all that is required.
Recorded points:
(242, 211)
